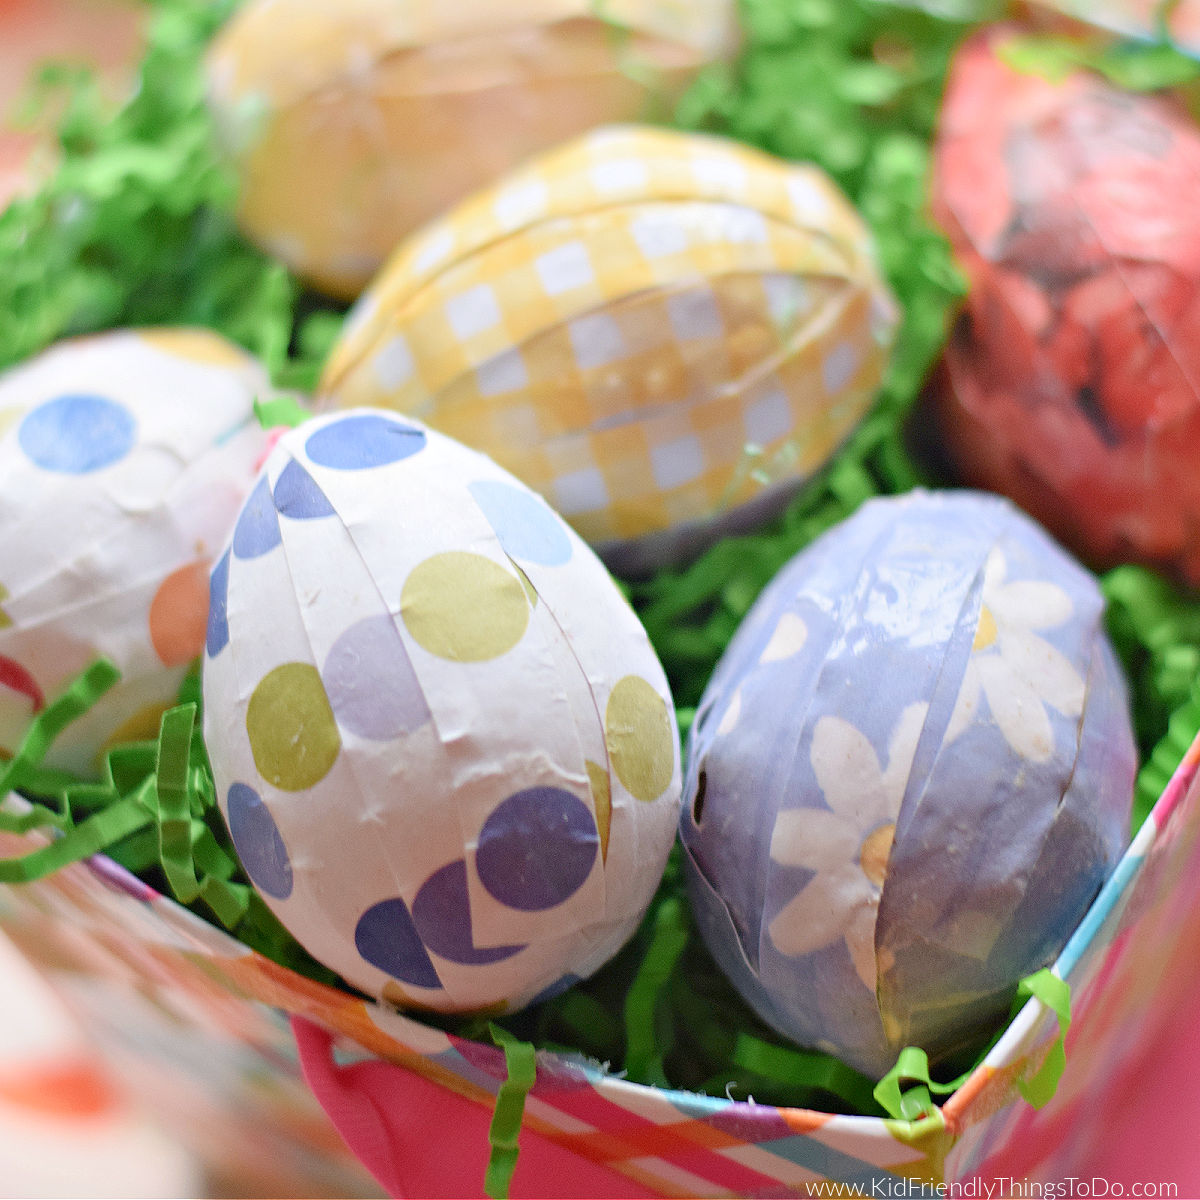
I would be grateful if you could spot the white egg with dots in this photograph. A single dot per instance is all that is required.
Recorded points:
(444, 746)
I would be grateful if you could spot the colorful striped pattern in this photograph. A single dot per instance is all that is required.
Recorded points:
(94, 925)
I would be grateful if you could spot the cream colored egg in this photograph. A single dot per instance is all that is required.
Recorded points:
(352, 123)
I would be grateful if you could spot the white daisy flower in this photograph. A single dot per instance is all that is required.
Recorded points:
(1018, 672)
(847, 845)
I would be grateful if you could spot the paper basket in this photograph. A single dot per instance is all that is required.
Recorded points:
(199, 1023)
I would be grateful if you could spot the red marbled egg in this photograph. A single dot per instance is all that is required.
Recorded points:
(1072, 380)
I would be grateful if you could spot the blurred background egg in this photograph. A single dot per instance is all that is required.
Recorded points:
(353, 123)
(662, 333)
(124, 459)
(444, 747)
(1072, 380)
(910, 774)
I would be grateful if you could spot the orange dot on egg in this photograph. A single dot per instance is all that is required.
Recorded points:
(179, 615)
(67, 1089)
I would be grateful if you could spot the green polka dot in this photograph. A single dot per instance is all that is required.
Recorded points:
(293, 734)
(527, 584)
(464, 607)
(637, 728)
(602, 799)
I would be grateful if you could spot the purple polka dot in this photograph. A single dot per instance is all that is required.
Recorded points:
(77, 434)
(298, 497)
(370, 682)
(257, 529)
(218, 607)
(256, 839)
(442, 915)
(537, 848)
(387, 938)
(362, 441)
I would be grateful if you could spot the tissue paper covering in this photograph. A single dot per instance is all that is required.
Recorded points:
(662, 333)
(909, 776)
(445, 750)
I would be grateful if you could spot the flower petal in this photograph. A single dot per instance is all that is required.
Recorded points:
(994, 571)
(813, 838)
(860, 941)
(1017, 709)
(1030, 604)
(847, 769)
(732, 714)
(820, 912)
(901, 749)
(1046, 669)
(967, 704)
(789, 637)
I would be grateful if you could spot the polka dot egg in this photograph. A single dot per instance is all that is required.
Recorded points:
(662, 333)
(124, 459)
(444, 747)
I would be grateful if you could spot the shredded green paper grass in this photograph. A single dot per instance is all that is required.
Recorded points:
(136, 228)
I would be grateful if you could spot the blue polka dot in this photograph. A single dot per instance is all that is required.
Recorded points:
(76, 434)
(557, 988)
(218, 607)
(537, 848)
(256, 838)
(257, 529)
(525, 524)
(364, 440)
(297, 495)
(387, 938)
(442, 915)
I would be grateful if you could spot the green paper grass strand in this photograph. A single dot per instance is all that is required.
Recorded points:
(647, 1038)
(125, 816)
(1039, 1088)
(24, 769)
(1156, 630)
(521, 1065)
(906, 1091)
(785, 1068)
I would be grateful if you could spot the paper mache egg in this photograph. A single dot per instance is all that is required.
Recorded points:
(1072, 381)
(444, 747)
(908, 777)
(351, 124)
(124, 459)
(662, 333)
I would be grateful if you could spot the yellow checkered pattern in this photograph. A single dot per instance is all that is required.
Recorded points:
(648, 327)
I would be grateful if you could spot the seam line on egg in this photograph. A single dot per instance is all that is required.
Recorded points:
(389, 319)
(335, 933)
(1117, 262)
(801, 724)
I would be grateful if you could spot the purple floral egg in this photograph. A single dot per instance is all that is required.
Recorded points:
(908, 777)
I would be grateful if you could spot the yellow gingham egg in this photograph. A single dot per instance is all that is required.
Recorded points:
(352, 123)
(662, 333)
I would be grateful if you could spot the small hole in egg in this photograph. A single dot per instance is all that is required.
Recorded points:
(698, 802)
